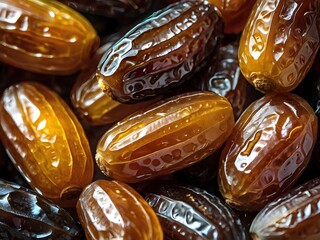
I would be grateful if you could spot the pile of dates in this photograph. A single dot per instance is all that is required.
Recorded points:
(154, 119)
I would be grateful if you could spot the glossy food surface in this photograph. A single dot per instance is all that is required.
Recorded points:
(293, 216)
(26, 215)
(113, 210)
(45, 36)
(270, 146)
(46, 142)
(160, 52)
(165, 137)
(192, 213)
(279, 43)
(110, 8)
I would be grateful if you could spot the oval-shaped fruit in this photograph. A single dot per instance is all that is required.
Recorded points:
(270, 146)
(26, 215)
(235, 13)
(295, 215)
(160, 52)
(110, 8)
(46, 142)
(165, 137)
(113, 210)
(279, 43)
(45, 36)
(192, 213)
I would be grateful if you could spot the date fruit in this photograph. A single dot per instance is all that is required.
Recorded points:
(192, 213)
(165, 137)
(46, 142)
(279, 43)
(45, 36)
(113, 210)
(295, 215)
(269, 148)
(26, 215)
(161, 52)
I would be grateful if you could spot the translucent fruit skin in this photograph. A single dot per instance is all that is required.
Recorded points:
(192, 213)
(235, 13)
(110, 8)
(279, 43)
(113, 210)
(46, 142)
(295, 215)
(45, 36)
(270, 146)
(165, 137)
(161, 52)
(26, 215)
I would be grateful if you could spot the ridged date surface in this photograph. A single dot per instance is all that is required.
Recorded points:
(46, 142)
(293, 216)
(110, 8)
(270, 146)
(45, 36)
(26, 215)
(192, 213)
(161, 52)
(235, 13)
(113, 210)
(279, 43)
(165, 137)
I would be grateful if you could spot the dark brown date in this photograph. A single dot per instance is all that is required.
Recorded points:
(268, 150)
(192, 213)
(292, 216)
(161, 52)
(26, 215)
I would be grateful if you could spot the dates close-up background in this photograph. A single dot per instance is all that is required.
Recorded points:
(159, 119)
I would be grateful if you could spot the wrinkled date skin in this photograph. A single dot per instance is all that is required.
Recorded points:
(269, 147)
(279, 43)
(192, 213)
(223, 76)
(161, 52)
(165, 137)
(292, 216)
(46, 142)
(110, 8)
(45, 37)
(114, 210)
(26, 215)
(235, 13)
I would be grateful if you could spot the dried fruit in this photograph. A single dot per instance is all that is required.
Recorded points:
(192, 213)
(279, 43)
(46, 142)
(165, 137)
(270, 146)
(110, 8)
(295, 215)
(113, 210)
(161, 52)
(45, 36)
(27, 215)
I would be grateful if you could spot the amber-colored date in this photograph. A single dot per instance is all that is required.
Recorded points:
(113, 210)
(279, 43)
(235, 13)
(292, 216)
(46, 142)
(165, 137)
(192, 213)
(160, 52)
(45, 36)
(26, 215)
(270, 146)
(110, 8)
